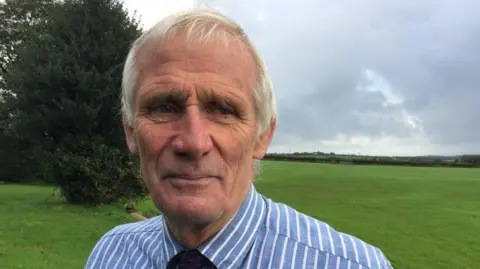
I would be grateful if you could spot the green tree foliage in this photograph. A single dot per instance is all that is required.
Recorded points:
(19, 19)
(66, 83)
(474, 159)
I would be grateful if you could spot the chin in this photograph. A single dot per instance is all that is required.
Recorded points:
(196, 210)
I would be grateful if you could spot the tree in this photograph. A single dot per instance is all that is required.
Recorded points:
(19, 19)
(474, 159)
(66, 83)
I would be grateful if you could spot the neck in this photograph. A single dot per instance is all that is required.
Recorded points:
(192, 235)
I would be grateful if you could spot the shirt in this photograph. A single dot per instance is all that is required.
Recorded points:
(262, 234)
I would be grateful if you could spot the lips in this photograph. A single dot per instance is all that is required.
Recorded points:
(189, 182)
(191, 177)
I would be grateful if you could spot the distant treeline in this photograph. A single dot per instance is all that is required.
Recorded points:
(471, 161)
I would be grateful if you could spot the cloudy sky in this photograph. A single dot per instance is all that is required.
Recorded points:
(363, 76)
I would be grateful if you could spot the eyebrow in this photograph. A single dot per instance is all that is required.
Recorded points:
(174, 94)
(178, 94)
(232, 98)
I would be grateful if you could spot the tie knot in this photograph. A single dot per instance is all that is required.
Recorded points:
(192, 255)
(191, 259)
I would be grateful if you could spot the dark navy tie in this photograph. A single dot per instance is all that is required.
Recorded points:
(190, 259)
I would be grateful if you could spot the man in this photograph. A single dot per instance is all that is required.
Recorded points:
(199, 111)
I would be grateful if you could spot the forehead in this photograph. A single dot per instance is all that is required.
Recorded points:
(229, 63)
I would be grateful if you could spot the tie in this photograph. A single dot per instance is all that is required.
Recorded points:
(190, 259)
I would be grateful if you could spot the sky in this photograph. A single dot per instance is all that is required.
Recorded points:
(363, 77)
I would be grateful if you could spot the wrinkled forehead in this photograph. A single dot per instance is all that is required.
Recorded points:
(223, 55)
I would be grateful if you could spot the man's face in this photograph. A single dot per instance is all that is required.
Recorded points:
(195, 126)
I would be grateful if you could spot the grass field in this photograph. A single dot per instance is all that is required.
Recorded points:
(420, 217)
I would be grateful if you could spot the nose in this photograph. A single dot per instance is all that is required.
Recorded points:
(193, 139)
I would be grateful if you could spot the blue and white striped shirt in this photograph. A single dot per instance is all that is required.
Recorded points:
(263, 234)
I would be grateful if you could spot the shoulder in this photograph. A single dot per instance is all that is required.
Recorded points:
(113, 246)
(324, 239)
(146, 226)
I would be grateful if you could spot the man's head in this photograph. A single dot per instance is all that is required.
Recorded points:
(199, 110)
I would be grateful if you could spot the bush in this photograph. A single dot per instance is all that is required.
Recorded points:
(368, 161)
(107, 176)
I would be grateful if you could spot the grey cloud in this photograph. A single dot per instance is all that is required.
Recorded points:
(318, 51)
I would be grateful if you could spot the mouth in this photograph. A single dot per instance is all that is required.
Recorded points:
(189, 181)
(188, 177)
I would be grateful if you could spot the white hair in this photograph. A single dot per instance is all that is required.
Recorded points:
(205, 25)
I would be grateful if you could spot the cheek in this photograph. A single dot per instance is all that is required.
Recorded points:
(235, 146)
(151, 139)
(151, 142)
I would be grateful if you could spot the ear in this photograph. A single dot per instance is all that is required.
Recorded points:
(129, 135)
(263, 141)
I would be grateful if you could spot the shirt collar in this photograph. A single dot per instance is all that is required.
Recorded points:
(231, 244)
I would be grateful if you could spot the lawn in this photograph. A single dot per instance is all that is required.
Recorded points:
(420, 217)
(40, 231)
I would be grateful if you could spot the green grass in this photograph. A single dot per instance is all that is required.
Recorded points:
(40, 231)
(420, 217)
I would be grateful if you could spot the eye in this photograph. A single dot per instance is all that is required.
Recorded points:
(164, 107)
(221, 109)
